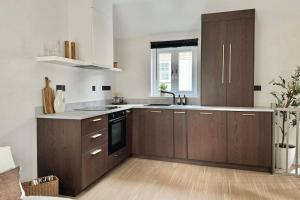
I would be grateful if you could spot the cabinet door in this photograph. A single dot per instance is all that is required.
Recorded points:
(139, 131)
(207, 136)
(129, 130)
(213, 70)
(94, 164)
(153, 132)
(240, 62)
(249, 138)
(160, 131)
(143, 132)
(180, 145)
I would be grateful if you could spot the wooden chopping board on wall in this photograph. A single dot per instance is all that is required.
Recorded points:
(48, 98)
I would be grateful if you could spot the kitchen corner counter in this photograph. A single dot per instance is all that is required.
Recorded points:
(80, 115)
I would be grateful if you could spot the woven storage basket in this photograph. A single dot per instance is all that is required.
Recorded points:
(50, 188)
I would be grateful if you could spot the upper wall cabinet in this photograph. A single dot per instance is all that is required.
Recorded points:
(91, 27)
(227, 66)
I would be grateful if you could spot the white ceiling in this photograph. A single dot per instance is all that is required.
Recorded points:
(134, 18)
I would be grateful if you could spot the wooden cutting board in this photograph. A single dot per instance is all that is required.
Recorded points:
(48, 98)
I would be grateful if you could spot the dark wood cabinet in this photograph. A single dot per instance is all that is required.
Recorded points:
(94, 164)
(153, 134)
(180, 136)
(240, 48)
(213, 79)
(77, 151)
(207, 139)
(249, 138)
(227, 61)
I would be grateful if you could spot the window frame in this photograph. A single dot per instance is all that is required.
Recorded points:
(174, 68)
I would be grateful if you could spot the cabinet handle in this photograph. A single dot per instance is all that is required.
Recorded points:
(96, 136)
(230, 53)
(97, 120)
(206, 113)
(249, 114)
(93, 153)
(128, 111)
(116, 155)
(155, 111)
(179, 112)
(223, 62)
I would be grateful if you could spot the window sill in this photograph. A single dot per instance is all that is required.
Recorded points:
(170, 96)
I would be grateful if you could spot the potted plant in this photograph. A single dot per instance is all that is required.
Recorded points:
(286, 96)
(163, 87)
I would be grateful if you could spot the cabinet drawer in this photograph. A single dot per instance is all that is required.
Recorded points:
(117, 157)
(94, 165)
(94, 124)
(93, 140)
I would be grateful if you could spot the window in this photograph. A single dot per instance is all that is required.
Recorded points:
(174, 69)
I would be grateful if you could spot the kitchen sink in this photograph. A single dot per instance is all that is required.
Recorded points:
(157, 104)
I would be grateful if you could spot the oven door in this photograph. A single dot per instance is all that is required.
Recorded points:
(116, 134)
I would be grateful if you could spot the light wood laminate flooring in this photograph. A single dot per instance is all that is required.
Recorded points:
(139, 179)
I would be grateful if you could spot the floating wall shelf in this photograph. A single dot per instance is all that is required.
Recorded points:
(74, 63)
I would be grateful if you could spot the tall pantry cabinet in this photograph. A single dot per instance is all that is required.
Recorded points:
(227, 65)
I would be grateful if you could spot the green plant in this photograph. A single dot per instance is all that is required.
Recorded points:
(287, 96)
(163, 87)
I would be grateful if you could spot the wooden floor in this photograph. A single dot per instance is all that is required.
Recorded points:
(139, 179)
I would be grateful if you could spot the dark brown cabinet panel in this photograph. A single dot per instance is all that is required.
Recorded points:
(227, 64)
(249, 138)
(240, 48)
(180, 136)
(94, 164)
(153, 134)
(207, 140)
(129, 131)
(213, 79)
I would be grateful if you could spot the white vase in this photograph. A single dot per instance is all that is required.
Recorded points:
(281, 156)
(59, 102)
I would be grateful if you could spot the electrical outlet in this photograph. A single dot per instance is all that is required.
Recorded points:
(106, 88)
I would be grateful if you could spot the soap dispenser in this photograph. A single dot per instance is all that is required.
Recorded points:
(184, 100)
(179, 100)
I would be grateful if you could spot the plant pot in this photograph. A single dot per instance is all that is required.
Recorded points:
(281, 156)
(162, 94)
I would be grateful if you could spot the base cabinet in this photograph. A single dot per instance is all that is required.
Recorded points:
(77, 151)
(207, 136)
(153, 134)
(249, 138)
(180, 137)
(223, 138)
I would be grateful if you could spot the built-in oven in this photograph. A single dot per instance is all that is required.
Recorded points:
(116, 131)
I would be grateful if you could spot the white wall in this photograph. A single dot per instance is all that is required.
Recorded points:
(133, 55)
(24, 27)
(277, 41)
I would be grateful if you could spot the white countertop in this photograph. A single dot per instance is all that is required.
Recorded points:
(79, 115)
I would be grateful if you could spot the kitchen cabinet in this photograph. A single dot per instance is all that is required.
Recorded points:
(227, 65)
(180, 136)
(154, 132)
(207, 138)
(249, 138)
(74, 150)
(92, 30)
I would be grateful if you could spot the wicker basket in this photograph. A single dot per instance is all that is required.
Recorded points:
(50, 188)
